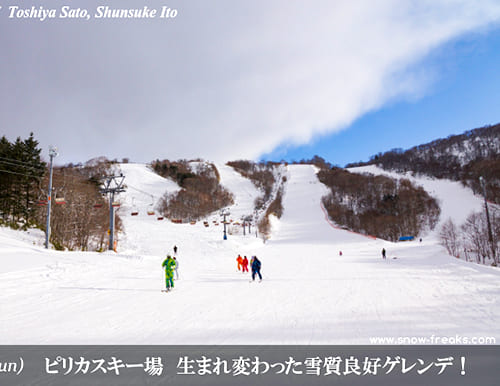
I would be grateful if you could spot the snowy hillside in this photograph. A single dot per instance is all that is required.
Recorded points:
(310, 293)
(455, 201)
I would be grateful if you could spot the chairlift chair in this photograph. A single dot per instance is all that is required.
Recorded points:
(151, 211)
(60, 201)
(135, 212)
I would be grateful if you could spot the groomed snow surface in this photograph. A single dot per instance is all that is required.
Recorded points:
(310, 294)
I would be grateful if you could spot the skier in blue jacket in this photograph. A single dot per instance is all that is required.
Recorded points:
(256, 264)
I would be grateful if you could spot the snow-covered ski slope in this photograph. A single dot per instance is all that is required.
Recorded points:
(455, 201)
(310, 294)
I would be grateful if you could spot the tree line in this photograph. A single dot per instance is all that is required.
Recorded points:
(200, 193)
(470, 241)
(79, 216)
(378, 205)
(264, 176)
(21, 175)
(463, 157)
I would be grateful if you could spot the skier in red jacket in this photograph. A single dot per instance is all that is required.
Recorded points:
(245, 264)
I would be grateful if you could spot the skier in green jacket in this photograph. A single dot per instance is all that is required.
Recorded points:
(169, 265)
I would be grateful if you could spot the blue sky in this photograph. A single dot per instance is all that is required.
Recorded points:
(464, 94)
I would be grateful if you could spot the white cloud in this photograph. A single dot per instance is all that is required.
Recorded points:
(226, 79)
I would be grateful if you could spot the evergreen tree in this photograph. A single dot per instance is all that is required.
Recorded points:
(21, 171)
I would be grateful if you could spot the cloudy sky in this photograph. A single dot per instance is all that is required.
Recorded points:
(249, 79)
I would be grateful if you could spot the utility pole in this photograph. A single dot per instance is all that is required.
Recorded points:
(52, 154)
(224, 213)
(490, 234)
(112, 185)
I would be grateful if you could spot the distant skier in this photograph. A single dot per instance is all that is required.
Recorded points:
(383, 253)
(340, 253)
(169, 265)
(245, 264)
(175, 250)
(239, 260)
(256, 265)
(176, 268)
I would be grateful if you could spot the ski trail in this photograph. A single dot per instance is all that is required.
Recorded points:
(303, 217)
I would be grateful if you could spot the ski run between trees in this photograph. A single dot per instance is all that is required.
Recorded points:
(310, 293)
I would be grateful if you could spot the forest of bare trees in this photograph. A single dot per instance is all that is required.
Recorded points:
(378, 205)
(201, 192)
(80, 216)
(471, 241)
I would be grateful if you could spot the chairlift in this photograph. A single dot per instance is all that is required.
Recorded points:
(160, 218)
(60, 201)
(135, 212)
(97, 206)
(115, 204)
(42, 202)
(151, 211)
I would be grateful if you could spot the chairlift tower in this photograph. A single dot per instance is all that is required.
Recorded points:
(224, 213)
(52, 154)
(112, 185)
(247, 220)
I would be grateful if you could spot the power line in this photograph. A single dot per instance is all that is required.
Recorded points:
(141, 191)
(20, 174)
(22, 166)
(15, 160)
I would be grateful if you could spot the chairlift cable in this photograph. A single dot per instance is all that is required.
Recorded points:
(19, 174)
(22, 166)
(18, 162)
